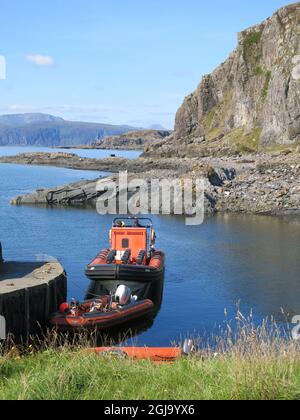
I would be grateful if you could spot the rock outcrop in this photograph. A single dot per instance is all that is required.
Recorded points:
(251, 101)
(87, 193)
(134, 140)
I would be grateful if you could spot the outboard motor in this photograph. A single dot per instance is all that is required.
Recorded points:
(123, 295)
(189, 347)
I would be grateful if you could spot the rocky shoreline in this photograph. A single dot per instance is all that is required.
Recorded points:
(112, 164)
(259, 184)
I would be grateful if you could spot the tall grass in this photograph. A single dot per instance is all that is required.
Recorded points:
(246, 362)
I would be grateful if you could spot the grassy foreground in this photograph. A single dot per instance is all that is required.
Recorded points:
(253, 363)
(72, 376)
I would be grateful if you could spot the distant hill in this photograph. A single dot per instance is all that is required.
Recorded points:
(18, 120)
(157, 127)
(50, 131)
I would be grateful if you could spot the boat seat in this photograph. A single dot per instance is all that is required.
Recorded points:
(141, 257)
(126, 256)
(111, 256)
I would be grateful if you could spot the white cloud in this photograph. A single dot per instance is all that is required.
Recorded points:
(69, 109)
(19, 108)
(58, 109)
(40, 60)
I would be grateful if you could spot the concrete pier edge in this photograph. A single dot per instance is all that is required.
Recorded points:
(29, 293)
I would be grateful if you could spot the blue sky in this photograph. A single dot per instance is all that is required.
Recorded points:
(116, 61)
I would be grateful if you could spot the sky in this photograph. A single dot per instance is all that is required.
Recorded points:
(116, 61)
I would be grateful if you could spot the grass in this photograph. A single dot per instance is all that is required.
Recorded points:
(265, 90)
(214, 121)
(243, 142)
(209, 118)
(252, 50)
(267, 75)
(252, 39)
(259, 71)
(256, 363)
(282, 147)
(78, 376)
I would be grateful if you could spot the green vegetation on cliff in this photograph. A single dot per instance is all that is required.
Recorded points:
(242, 141)
(268, 76)
(252, 48)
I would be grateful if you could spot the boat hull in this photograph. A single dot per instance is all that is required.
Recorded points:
(154, 354)
(127, 272)
(123, 273)
(102, 321)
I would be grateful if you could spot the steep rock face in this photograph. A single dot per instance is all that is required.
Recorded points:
(254, 97)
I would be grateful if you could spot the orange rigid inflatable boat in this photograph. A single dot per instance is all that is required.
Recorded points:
(154, 354)
(132, 256)
(100, 314)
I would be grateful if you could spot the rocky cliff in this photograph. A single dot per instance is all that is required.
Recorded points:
(252, 100)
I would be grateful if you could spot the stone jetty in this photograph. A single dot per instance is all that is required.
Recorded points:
(29, 293)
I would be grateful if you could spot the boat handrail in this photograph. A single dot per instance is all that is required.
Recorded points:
(116, 219)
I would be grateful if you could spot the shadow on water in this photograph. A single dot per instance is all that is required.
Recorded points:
(128, 332)
(17, 270)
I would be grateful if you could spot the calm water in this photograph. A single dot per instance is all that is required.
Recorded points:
(97, 154)
(229, 259)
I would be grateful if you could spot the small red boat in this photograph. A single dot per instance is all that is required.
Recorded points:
(154, 354)
(132, 256)
(101, 314)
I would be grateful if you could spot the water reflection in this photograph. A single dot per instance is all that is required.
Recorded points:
(259, 255)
